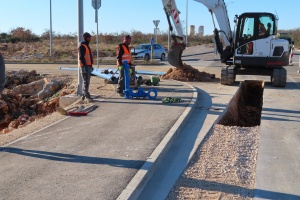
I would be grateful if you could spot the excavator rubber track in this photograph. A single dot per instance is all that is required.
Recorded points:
(174, 55)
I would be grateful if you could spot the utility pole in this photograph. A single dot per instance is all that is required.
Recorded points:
(186, 35)
(80, 33)
(50, 30)
(96, 5)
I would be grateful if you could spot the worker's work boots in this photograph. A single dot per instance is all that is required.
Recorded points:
(87, 99)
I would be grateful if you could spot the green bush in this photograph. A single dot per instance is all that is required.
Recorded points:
(294, 35)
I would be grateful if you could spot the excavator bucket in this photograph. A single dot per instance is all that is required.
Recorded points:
(174, 55)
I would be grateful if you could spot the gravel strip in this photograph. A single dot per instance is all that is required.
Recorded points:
(223, 166)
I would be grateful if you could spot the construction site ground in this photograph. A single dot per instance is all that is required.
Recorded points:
(96, 156)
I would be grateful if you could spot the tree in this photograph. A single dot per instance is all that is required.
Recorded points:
(24, 35)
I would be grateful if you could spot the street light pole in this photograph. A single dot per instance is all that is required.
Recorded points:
(186, 35)
(80, 33)
(50, 29)
(97, 38)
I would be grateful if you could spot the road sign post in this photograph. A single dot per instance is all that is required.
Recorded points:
(96, 5)
(80, 32)
(155, 22)
(152, 47)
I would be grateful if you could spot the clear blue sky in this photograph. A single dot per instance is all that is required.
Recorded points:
(117, 16)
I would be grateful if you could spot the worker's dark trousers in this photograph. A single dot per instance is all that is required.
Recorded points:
(86, 81)
(121, 81)
(2, 73)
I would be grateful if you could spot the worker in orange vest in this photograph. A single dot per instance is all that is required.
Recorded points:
(123, 53)
(2, 73)
(86, 62)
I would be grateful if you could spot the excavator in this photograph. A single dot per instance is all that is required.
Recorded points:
(252, 48)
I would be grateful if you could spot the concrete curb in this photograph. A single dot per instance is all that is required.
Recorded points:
(141, 178)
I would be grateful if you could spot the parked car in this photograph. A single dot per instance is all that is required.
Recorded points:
(143, 51)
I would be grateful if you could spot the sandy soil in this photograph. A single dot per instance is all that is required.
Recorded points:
(223, 167)
(103, 92)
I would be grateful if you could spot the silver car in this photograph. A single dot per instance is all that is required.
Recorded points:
(143, 51)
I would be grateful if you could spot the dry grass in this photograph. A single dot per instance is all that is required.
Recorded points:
(64, 47)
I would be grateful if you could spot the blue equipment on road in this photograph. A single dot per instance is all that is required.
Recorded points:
(129, 94)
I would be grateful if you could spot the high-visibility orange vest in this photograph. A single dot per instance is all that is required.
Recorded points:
(250, 47)
(126, 55)
(87, 56)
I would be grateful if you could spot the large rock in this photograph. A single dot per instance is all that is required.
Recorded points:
(29, 97)
(31, 88)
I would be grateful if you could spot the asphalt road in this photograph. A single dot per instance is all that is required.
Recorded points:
(96, 156)
(278, 163)
(278, 175)
(92, 157)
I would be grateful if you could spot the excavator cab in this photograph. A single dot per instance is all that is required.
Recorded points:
(257, 44)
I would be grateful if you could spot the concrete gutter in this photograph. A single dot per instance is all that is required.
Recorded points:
(143, 176)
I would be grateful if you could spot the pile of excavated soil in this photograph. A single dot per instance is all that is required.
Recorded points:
(223, 166)
(188, 74)
(29, 96)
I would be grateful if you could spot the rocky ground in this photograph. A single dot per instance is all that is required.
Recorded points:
(30, 101)
(29, 96)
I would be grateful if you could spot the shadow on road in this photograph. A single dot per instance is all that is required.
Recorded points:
(237, 190)
(280, 114)
(133, 164)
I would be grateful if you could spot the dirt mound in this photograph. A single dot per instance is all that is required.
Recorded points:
(188, 74)
(29, 96)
